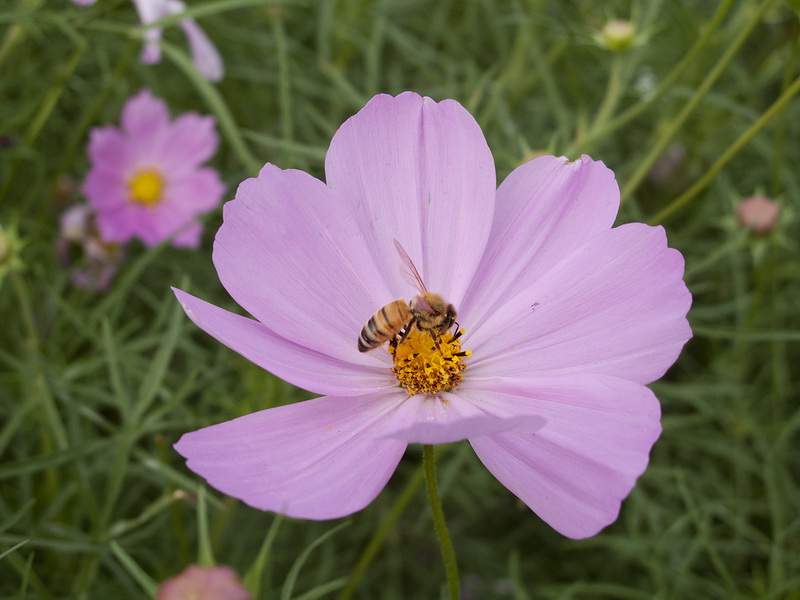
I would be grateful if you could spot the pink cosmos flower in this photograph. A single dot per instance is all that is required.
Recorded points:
(565, 318)
(205, 56)
(204, 583)
(145, 181)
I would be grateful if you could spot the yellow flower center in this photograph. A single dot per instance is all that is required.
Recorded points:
(146, 187)
(422, 368)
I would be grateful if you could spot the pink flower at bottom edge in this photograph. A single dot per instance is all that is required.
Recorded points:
(759, 213)
(204, 583)
(146, 181)
(565, 318)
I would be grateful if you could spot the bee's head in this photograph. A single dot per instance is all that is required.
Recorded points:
(449, 317)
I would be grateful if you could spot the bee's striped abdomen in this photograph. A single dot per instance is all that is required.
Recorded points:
(384, 325)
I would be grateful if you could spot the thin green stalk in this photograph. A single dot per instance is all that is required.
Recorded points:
(551, 91)
(40, 118)
(729, 153)
(780, 126)
(613, 90)
(255, 574)
(435, 502)
(674, 126)
(15, 34)
(284, 84)
(379, 537)
(205, 553)
(89, 115)
(227, 125)
(85, 578)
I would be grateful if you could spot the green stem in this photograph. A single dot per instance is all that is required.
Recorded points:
(740, 142)
(780, 124)
(284, 85)
(661, 143)
(16, 33)
(613, 90)
(446, 546)
(227, 125)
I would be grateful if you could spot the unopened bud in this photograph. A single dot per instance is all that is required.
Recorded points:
(204, 583)
(618, 35)
(759, 213)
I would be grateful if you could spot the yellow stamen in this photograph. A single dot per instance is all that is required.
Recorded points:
(146, 187)
(422, 368)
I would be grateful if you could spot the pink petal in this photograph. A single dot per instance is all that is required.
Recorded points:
(420, 172)
(165, 221)
(145, 118)
(192, 139)
(577, 469)
(105, 188)
(151, 50)
(196, 192)
(204, 54)
(150, 11)
(286, 359)
(119, 224)
(310, 460)
(545, 209)
(617, 305)
(457, 416)
(289, 253)
(108, 148)
(189, 236)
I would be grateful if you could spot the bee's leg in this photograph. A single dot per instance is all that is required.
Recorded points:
(393, 343)
(435, 339)
(404, 334)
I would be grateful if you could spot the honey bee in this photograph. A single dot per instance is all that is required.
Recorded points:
(427, 311)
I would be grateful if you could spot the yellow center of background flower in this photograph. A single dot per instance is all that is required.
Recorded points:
(147, 187)
(422, 368)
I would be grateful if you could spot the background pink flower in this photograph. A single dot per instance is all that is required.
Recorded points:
(758, 212)
(204, 583)
(146, 181)
(205, 56)
(93, 261)
(566, 319)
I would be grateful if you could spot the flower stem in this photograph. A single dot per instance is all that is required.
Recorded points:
(445, 545)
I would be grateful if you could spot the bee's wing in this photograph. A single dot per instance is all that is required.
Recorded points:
(410, 271)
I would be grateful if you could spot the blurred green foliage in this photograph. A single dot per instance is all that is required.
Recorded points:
(94, 388)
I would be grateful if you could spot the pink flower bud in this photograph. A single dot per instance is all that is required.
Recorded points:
(204, 583)
(758, 213)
